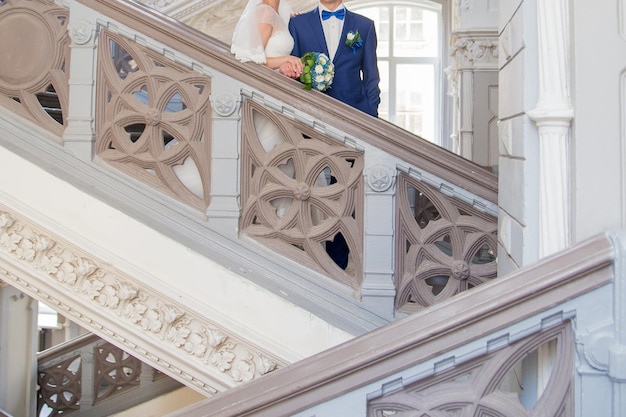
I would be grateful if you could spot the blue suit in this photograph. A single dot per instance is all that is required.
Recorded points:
(348, 86)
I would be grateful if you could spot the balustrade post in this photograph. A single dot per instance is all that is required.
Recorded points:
(378, 289)
(223, 211)
(87, 377)
(553, 115)
(146, 376)
(79, 135)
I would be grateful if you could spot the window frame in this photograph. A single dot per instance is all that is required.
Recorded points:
(442, 101)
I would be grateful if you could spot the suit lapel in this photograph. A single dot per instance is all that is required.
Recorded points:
(317, 31)
(344, 32)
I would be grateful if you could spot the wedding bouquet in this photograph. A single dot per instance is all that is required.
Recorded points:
(318, 71)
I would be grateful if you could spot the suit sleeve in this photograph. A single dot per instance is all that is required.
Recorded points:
(294, 34)
(371, 76)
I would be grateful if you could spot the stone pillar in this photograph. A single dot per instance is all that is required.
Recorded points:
(473, 51)
(18, 352)
(223, 211)
(553, 115)
(79, 135)
(378, 289)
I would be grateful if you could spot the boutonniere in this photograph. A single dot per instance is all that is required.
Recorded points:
(353, 40)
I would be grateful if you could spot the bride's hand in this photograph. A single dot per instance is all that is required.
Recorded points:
(288, 69)
(296, 64)
(292, 67)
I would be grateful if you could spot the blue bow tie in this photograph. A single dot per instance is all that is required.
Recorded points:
(339, 14)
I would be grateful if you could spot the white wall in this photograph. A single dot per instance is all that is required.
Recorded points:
(599, 134)
(519, 161)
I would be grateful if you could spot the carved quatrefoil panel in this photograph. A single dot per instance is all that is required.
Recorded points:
(60, 387)
(444, 246)
(153, 119)
(34, 71)
(531, 378)
(302, 194)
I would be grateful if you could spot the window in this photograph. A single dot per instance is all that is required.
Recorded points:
(410, 50)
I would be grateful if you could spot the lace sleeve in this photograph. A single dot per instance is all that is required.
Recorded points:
(247, 44)
(265, 14)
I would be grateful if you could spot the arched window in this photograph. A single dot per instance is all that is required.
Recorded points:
(411, 41)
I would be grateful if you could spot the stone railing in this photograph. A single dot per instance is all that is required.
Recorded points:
(524, 345)
(255, 155)
(90, 375)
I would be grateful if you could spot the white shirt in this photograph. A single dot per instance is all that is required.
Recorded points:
(332, 31)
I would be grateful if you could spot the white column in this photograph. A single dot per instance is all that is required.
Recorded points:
(18, 352)
(553, 115)
(466, 128)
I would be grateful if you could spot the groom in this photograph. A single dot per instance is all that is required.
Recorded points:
(325, 29)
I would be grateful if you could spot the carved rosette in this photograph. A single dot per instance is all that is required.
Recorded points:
(225, 104)
(153, 119)
(379, 178)
(300, 192)
(475, 50)
(109, 290)
(449, 246)
(35, 78)
(81, 31)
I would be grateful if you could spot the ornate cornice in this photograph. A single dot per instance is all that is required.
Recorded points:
(475, 50)
(149, 325)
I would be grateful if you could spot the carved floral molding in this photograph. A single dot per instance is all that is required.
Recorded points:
(475, 50)
(92, 283)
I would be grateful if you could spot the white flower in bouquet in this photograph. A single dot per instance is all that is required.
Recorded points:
(318, 71)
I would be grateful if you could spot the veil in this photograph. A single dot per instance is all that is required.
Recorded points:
(247, 44)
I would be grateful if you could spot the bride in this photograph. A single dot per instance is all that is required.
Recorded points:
(262, 36)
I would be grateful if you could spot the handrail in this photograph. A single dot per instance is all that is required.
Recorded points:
(420, 337)
(377, 132)
(67, 347)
